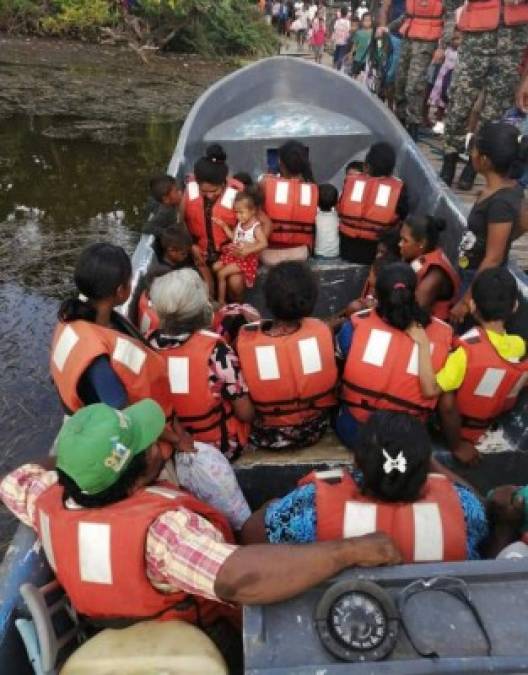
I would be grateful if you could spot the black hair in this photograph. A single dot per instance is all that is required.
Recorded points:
(344, 10)
(115, 493)
(294, 156)
(506, 150)
(396, 433)
(395, 291)
(212, 168)
(356, 165)
(495, 293)
(381, 159)
(244, 178)
(252, 195)
(291, 290)
(364, 15)
(161, 185)
(100, 271)
(426, 228)
(175, 236)
(390, 238)
(328, 197)
(382, 261)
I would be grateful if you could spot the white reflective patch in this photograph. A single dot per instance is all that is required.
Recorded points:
(472, 333)
(129, 355)
(417, 264)
(45, 537)
(95, 561)
(357, 191)
(209, 333)
(518, 386)
(193, 191)
(359, 519)
(64, 346)
(383, 195)
(179, 374)
(412, 366)
(490, 382)
(281, 192)
(306, 194)
(428, 533)
(267, 364)
(329, 474)
(377, 347)
(163, 491)
(228, 197)
(310, 356)
(144, 326)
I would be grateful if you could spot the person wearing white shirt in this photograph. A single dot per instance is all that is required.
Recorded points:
(327, 223)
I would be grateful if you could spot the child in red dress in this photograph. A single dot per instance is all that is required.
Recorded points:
(237, 268)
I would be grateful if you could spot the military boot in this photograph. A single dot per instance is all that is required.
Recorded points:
(447, 172)
(467, 177)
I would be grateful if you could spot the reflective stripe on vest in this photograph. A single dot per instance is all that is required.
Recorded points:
(361, 518)
(64, 347)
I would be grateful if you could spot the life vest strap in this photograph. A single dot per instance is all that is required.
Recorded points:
(308, 399)
(474, 423)
(381, 395)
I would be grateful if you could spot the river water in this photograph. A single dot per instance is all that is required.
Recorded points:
(63, 184)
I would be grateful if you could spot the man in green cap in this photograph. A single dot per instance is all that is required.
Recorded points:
(123, 544)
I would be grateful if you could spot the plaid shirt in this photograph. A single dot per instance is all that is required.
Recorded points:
(184, 551)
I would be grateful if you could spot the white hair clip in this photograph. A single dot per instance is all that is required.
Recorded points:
(398, 463)
(519, 138)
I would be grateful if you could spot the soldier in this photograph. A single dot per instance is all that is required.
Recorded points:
(424, 32)
(495, 35)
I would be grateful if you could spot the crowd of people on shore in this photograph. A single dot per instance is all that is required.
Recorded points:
(443, 65)
(158, 408)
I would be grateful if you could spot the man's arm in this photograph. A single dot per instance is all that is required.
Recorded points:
(267, 573)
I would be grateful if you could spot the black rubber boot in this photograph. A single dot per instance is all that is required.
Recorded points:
(447, 172)
(412, 130)
(467, 177)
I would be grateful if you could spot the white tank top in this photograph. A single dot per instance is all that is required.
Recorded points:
(242, 236)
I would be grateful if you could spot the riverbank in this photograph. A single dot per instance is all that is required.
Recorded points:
(108, 84)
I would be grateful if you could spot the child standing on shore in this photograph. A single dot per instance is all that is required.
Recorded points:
(238, 262)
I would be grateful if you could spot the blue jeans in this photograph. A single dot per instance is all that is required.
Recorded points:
(339, 56)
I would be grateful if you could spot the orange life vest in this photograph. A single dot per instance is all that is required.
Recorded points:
(98, 555)
(490, 386)
(423, 20)
(438, 258)
(429, 529)
(381, 370)
(77, 343)
(477, 16)
(148, 320)
(291, 378)
(194, 214)
(368, 205)
(291, 204)
(208, 418)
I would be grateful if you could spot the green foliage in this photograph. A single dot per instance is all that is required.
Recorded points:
(209, 27)
(79, 17)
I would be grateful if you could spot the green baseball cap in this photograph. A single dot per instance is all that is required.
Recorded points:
(95, 446)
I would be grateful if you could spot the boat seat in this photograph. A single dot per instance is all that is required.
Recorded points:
(168, 647)
(267, 474)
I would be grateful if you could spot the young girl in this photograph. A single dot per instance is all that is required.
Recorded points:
(239, 261)
(500, 155)
(318, 36)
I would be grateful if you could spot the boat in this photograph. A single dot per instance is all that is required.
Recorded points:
(251, 113)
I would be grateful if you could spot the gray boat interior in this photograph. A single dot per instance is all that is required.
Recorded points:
(251, 112)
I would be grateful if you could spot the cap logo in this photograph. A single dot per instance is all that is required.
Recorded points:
(120, 454)
(123, 421)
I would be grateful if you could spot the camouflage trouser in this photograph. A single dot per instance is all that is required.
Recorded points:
(411, 83)
(487, 61)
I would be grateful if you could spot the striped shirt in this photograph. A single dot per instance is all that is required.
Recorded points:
(184, 551)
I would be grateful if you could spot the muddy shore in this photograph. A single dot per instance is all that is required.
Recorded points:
(109, 84)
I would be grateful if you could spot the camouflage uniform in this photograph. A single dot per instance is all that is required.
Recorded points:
(487, 61)
(411, 83)
(415, 59)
